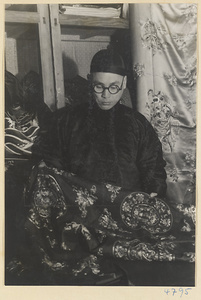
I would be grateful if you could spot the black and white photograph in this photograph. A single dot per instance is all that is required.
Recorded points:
(100, 145)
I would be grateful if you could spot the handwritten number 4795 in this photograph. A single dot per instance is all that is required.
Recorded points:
(181, 291)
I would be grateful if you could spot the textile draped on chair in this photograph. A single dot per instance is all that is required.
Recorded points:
(164, 66)
(82, 232)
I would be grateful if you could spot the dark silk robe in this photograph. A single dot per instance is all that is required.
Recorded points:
(118, 146)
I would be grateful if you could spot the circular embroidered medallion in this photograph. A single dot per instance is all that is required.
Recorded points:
(138, 210)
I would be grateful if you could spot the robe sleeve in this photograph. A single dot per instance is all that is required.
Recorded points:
(150, 161)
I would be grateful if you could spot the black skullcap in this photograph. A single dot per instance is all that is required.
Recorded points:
(109, 61)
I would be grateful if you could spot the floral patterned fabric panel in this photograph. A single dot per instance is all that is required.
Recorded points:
(74, 226)
(164, 67)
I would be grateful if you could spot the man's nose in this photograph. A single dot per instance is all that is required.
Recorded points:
(105, 93)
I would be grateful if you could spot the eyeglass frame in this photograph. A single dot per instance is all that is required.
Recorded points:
(107, 88)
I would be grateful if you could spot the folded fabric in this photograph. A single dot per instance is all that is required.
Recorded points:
(74, 226)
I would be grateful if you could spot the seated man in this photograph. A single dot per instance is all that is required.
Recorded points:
(94, 194)
(103, 140)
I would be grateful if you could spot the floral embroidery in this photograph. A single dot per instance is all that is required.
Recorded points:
(191, 13)
(187, 10)
(188, 103)
(78, 227)
(190, 166)
(93, 189)
(190, 160)
(53, 265)
(171, 79)
(56, 170)
(162, 115)
(140, 198)
(48, 195)
(52, 242)
(87, 263)
(136, 250)
(162, 238)
(106, 221)
(120, 250)
(188, 211)
(100, 251)
(64, 246)
(85, 199)
(190, 75)
(15, 265)
(180, 41)
(101, 235)
(138, 70)
(143, 251)
(189, 256)
(166, 245)
(150, 33)
(34, 219)
(44, 197)
(114, 190)
(186, 227)
(139, 211)
(173, 174)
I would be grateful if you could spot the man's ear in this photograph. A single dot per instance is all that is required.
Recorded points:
(124, 83)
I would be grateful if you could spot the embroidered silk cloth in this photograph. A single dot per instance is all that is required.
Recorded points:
(164, 67)
(78, 230)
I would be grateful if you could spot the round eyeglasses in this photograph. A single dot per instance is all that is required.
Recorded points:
(113, 88)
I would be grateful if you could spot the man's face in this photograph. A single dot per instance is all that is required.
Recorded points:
(105, 99)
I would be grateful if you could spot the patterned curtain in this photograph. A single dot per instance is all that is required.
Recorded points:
(163, 38)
